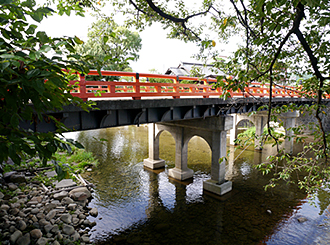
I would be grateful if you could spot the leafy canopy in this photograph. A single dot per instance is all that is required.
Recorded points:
(110, 46)
(32, 79)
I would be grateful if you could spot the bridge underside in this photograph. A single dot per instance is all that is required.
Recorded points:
(114, 113)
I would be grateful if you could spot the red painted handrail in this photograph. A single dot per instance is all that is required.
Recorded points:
(138, 89)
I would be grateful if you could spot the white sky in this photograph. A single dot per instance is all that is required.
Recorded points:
(157, 51)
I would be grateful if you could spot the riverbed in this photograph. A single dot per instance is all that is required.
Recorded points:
(141, 206)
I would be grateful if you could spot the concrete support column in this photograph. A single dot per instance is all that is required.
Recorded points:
(289, 121)
(181, 170)
(218, 184)
(153, 161)
(233, 131)
(259, 124)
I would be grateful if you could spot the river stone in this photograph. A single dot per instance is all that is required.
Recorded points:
(21, 214)
(60, 209)
(4, 207)
(12, 229)
(24, 240)
(15, 205)
(51, 215)
(84, 238)
(65, 183)
(41, 215)
(55, 229)
(14, 211)
(80, 194)
(48, 228)
(12, 186)
(59, 236)
(49, 207)
(61, 195)
(72, 206)
(75, 236)
(302, 219)
(17, 178)
(30, 203)
(66, 200)
(82, 216)
(35, 211)
(67, 218)
(37, 198)
(56, 243)
(51, 173)
(43, 222)
(75, 221)
(7, 175)
(15, 236)
(42, 241)
(21, 225)
(34, 218)
(36, 233)
(68, 229)
(94, 212)
(1, 195)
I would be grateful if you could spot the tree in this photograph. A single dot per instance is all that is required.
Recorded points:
(284, 34)
(32, 83)
(110, 46)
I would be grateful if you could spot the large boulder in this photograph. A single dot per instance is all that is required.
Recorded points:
(80, 194)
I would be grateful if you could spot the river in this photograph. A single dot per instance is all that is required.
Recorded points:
(140, 206)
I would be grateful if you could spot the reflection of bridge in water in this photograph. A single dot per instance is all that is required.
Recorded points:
(184, 110)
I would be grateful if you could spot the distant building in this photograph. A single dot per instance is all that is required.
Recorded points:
(186, 69)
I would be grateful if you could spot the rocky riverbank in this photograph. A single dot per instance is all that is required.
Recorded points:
(33, 213)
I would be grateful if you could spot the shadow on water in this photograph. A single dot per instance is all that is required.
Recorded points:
(141, 206)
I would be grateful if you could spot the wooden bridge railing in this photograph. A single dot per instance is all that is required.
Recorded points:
(138, 88)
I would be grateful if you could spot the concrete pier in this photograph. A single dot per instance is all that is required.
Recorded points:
(213, 130)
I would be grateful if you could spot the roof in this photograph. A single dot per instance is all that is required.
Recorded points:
(185, 68)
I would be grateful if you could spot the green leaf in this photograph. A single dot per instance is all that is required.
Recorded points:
(45, 48)
(259, 5)
(77, 40)
(105, 39)
(31, 29)
(107, 57)
(4, 65)
(33, 73)
(32, 55)
(7, 56)
(43, 36)
(3, 2)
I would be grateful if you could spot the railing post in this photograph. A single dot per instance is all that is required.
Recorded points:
(137, 87)
(206, 89)
(82, 89)
(176, 88)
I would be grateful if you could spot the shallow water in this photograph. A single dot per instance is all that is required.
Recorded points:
(140, 206)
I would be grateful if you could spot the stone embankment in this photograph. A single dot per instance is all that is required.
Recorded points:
(31, 213)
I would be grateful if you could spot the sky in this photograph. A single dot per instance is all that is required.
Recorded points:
(157, 51)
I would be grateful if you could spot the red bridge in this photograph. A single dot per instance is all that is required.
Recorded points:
(140, 86)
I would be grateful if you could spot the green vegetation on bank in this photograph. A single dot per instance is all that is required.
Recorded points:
(249, 135)
(65, 163)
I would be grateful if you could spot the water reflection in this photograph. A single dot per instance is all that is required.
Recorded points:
(141, 206)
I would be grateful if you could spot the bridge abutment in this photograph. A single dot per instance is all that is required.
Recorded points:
(213, 130)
